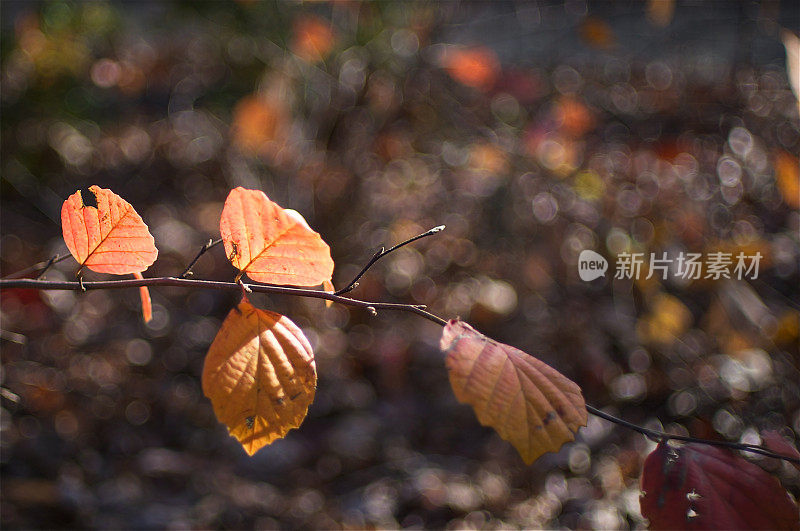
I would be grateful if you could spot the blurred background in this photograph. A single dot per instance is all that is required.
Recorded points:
(533, 130)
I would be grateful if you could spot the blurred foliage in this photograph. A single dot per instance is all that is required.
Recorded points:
(533, 131)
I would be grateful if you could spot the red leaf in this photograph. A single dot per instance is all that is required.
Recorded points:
(697, 486)
(773, 440)
(108, 238)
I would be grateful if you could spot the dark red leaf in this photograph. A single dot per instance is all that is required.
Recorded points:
(697, 486)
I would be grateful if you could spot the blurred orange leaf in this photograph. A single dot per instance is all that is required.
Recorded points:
(475, 67)
(108, 238)
(256, 123)
(260, 375)
(530, 404)
(787, 175)
(313, 38)
(271, 244)
(697, 486)
(597, 33)
(147, 305)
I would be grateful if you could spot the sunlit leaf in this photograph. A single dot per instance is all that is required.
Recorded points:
(697, 486)
(529, 403)
(108, 238)
(271, 244)
(260, 375)
(147, 305)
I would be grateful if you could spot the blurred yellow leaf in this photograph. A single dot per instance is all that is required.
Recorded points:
(530, 404)
(668, 319)
(260, 375)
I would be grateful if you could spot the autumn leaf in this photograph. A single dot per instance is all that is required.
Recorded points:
(108, 238)
(271, 244)
(697, 486)
(529, 403)
(775, 442)
(260, 375)
(147, 305)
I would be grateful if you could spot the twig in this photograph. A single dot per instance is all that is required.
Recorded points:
(383, 252)
(43, 266)
(371, 307)
(657, 436)
(213, 284)
(208, 245)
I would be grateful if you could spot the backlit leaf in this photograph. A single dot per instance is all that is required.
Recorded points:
(260, 375)
(529, 403)
(270, 244)
(697, 486)
(108, 238)
(147, 305)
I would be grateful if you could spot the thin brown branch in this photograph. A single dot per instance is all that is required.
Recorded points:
(657, 436)
(41, 267)
(213, 284)
(383, 252)
(371, 307)
(208, 245)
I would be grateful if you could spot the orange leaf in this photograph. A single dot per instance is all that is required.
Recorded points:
(147, 305)
(108, 238)
(260, 375)
(530, 404)
(271, 244)
(697, 486)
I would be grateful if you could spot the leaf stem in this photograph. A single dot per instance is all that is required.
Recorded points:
(383, 252)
